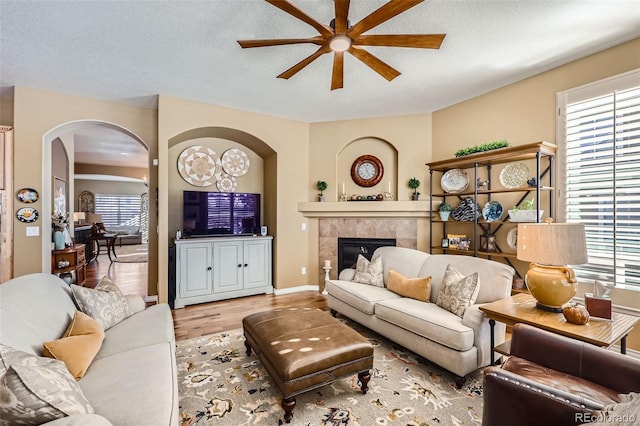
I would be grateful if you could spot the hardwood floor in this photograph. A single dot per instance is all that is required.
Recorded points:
(214, 317)
(205, 318)
(132, 278)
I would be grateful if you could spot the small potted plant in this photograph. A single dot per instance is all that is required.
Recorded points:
(444, 210)
(414, 184)
(322, 186)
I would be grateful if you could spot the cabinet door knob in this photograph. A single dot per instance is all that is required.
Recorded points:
(246, 264)
(239, 265)
(209, 268)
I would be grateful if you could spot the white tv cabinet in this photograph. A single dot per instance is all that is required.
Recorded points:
(218, 268)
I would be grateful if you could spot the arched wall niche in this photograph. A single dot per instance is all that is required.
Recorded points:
(380, 148)
(52, 141)
(220, 136)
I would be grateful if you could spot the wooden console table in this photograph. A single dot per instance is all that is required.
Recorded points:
(75, 255)
(522, 308)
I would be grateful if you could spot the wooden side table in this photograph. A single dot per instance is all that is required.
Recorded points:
(522, 308)
(75, 255)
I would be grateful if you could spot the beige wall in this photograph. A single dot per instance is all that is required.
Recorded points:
(284, 148)
(523, 112)
(38, 113)
(6, 112)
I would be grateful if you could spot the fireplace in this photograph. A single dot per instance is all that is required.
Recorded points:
(350, 248)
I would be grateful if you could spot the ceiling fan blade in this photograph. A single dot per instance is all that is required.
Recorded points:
(292, 10)
(303, 63)
(342, 10)
(374, 63)
(425, 41)
(279, 41)
(380, 15)
(338, 71)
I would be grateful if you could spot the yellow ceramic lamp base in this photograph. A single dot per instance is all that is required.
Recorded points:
(551, 286)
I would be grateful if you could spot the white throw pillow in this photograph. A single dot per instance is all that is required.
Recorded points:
(105, 303)
(458, 292)
(36, 390)
(369, 272)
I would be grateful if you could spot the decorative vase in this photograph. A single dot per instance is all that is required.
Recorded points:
(58, 240)
(321, 198)
(68, 242)
(414, 197)
(444, 216)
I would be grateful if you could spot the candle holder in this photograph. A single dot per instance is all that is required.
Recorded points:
(326, 278)
(344, 197)
(388, 196)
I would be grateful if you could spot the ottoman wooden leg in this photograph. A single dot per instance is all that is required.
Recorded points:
(288, 404)
(246, 345)
(364, 378)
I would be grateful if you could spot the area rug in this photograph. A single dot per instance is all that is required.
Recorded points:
(136, 253)
(219, 384)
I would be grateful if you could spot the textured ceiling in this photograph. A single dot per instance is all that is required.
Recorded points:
(131, 51)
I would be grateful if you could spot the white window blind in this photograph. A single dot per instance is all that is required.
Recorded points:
(118, 209)
(601, 186)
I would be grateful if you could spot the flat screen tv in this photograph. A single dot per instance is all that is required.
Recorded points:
(220, 213)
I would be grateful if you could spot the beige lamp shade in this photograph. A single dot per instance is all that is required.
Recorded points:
(78, 216)
(550, 247)
(94, 218)
(552, 243)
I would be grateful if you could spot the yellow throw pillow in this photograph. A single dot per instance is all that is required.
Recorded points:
(78, 346)
(415, 288)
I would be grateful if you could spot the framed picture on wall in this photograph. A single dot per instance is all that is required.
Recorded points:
(59, 196)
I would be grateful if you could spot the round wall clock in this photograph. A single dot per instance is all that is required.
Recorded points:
(367, 170)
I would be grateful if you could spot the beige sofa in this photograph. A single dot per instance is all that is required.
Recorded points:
(458, 344)
(131, 381)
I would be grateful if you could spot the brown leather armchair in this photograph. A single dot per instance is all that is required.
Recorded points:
(554, 380)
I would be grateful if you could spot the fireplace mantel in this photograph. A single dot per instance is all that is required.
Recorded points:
(366, 209)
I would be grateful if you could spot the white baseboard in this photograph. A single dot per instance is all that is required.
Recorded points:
(150, 299)
(281, 291)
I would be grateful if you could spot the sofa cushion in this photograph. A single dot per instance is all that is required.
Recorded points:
(361, 296)
(458, 292)
(427, 320)
(415, 288)
(495, 277)
(136, 387)
(369, 272)
(145, 328)
(78, 346)
(21, 297)
(105, 303)
(36, 390)
(401, 259)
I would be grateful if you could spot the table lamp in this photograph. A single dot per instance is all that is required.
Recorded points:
(550, 247)
(78, 217)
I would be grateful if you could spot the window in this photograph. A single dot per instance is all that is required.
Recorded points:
(118, 209)
(599, 147)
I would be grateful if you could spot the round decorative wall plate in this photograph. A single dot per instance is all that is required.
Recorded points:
(514, 175)
(27, 195)
(227, 183)
(367, 171)
(27, 214)
(512, 239)
(197, 165)
(235, 162)
(454, 180)
(492, 211)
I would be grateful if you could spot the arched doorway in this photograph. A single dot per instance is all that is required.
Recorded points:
(110, 144)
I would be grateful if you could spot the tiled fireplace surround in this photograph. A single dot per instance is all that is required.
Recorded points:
(403, 229)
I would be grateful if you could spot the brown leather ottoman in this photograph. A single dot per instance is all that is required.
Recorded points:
(304, 349)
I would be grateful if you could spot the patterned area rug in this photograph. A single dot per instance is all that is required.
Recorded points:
(219, 384)
(135, 253)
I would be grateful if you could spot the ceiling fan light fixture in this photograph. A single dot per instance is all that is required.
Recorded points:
(340, 43)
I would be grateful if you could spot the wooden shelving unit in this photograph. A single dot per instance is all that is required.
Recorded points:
(543, 153)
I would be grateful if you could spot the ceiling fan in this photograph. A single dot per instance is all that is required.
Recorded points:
(339, 37)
